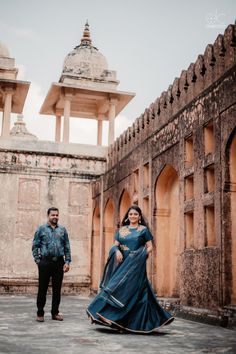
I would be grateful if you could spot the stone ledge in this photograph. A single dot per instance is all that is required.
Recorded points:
(224, 317)
(54, 148)
(29, 287)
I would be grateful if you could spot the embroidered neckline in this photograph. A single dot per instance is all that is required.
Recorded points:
(127, 230)
(137, 228)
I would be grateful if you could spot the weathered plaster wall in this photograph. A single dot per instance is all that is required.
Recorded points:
(31, 182)
(185, 131)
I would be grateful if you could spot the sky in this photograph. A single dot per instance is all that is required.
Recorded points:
(148, 43)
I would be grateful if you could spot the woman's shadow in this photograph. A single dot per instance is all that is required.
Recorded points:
(124, 332)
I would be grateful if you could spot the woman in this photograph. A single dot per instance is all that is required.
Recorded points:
(127, 301)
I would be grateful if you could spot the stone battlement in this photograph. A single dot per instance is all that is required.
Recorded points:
(207, 69)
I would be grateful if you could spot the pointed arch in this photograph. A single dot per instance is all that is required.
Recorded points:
(167, 232)
(124, 204)
(109, 226)
(232, 190)
(95, 248)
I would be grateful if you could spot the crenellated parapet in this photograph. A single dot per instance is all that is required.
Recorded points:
(217, 59)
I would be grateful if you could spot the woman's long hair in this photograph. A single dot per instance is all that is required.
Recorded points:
(142, 220)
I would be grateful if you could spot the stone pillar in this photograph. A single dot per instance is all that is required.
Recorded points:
(6, 119)
(58, 128)
(66, 128)
(99, 134)
(111, 116)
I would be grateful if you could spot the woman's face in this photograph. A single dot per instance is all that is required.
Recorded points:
(133, 216)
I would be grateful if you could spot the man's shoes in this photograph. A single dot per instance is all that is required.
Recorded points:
(40, 319)
(57, 317)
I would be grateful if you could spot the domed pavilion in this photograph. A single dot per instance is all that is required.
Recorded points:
(86, 89)
(13, 92)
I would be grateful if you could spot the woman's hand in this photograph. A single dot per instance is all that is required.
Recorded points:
(119, 256)
(149, 247)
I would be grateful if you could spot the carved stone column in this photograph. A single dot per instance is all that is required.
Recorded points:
(99, 133)
(6, 119)
(58, 128)
(66, 127)
(111, 116)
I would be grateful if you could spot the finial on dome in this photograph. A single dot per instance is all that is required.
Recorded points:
(20, 119)
(86, 40)
(20, 131)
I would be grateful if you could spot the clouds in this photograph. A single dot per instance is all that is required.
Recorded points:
(121, 124)
(36, 124)
(147, 52)
(19, 32)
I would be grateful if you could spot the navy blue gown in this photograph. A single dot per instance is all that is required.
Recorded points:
(126, 300)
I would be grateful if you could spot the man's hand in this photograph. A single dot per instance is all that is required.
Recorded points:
(66, 268)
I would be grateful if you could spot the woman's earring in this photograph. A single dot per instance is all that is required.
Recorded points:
(139, 221)
(126, 219)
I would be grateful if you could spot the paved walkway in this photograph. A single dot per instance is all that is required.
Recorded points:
(20, 333)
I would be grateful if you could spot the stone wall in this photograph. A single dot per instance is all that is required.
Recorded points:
(207, 69)
(173, 162)
(31, 182)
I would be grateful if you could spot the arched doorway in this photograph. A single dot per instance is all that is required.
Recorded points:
(109, 227)
(232, 169)
(95, 254)
(125, 202)
(167, 233)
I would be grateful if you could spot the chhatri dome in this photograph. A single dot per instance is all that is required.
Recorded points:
(85, 63)
(13, 92)
(87, 89)
(8, 70)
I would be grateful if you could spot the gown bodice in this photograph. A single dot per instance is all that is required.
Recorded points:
(131, 238)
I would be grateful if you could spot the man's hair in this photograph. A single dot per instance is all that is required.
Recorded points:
(52, 209)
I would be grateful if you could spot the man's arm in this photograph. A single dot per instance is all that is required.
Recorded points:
(66, 267)
(36, 246)
(67, 248)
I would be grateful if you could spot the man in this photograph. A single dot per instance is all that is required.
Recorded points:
(51, 252)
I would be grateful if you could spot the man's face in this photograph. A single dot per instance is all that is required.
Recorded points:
(53, 217)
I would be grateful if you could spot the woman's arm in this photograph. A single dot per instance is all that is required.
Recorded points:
(119, 255)
(149, 247)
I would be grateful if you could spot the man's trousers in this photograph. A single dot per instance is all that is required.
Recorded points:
(50, 269)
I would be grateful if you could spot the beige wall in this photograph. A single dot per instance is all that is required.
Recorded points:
(167, 233)
(30, 184)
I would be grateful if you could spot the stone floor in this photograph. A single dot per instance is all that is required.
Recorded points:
(20, 333)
